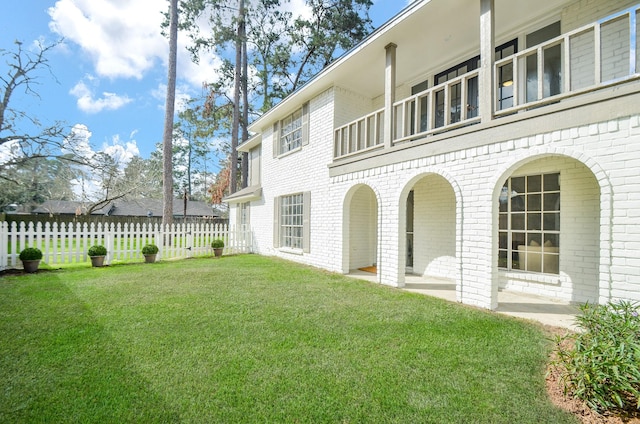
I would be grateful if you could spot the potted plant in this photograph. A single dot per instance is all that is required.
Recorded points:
(217, 246)
(150, 251)
(30, 258)
(97, 253)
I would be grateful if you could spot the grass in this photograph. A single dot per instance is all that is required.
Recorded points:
(255, 339)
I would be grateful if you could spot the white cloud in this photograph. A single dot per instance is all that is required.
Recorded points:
(122, 37)
(121, 152)
(89, 104)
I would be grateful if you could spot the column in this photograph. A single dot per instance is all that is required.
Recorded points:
(487, 56)
(389, 93)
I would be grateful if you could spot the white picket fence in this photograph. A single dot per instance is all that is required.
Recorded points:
(63, 243)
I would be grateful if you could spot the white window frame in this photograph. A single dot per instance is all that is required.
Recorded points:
(529, 224)
(291, 230)
(292, 132)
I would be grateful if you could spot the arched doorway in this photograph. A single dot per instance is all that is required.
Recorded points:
(361, 229)
(428, 239)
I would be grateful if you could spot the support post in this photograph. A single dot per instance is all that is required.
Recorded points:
(487, 58)
(389, 93)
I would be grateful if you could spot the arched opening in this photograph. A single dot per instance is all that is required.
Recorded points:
(361, 230)
(548, 230)
(429, 241)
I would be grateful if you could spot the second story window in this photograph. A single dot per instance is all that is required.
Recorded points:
(292, 132)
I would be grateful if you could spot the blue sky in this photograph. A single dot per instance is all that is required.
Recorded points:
(110, 69)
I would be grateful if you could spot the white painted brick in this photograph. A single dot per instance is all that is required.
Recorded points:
(600, 195)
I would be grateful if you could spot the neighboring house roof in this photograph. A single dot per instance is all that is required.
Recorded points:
(153, 207)
(139, 207)
(69, 207)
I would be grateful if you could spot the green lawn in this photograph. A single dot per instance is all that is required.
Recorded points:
(255, 339)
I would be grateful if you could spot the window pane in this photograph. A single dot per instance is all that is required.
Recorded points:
(534, 202)
(534, 183)
(439, 109)
(517, 185)
(534, 221)
(503, 221)
(517, 221)
(551, 242)
(534, 239)
(503, 240)
(552, 182)
(518, 239)
(552, 201)
(551, 222)
(504, 199)
(517, 204)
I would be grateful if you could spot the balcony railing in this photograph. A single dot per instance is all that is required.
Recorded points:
(361, 135)
(446, 106)
(586, 59)
(589, 58)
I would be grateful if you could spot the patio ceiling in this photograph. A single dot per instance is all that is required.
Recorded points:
(440, 33)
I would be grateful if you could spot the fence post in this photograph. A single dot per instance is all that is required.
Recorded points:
(4, 243)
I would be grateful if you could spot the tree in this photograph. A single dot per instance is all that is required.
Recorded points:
(23, 137)
(193, 152)
(167, 138)
(35, 181)
(283, 52)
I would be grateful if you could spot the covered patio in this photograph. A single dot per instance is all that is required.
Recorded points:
(541, 309)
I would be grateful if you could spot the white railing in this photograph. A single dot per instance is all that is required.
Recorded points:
(440, 108)
(64, 243)
(586, 59)
(360, 135)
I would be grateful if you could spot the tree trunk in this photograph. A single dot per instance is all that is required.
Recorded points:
(167, 138)
(235, 126)
(245, 102)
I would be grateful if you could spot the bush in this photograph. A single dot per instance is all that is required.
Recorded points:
(601, 363)
(217, 244)
(30, 254)
(149, 249)
(97, 250)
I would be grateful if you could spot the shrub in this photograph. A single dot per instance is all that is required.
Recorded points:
(149, 249)
(97, 250)
(31, 254)
(601, 363)
(217, 244)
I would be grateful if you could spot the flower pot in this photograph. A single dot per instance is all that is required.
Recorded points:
(150, 258)
(97, 261)
(217, 252)
(31, 266)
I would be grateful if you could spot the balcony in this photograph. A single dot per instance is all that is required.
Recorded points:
(587, 59)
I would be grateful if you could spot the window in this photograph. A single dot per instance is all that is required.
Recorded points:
(424, 108)
(505, 74)
(291, 221)
(455, 94)
(552, 62)
(243, 216)
(292, 132)
(529, 224)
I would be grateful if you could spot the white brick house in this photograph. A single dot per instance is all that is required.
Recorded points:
(492, 142)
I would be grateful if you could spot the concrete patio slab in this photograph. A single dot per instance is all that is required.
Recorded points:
(543, 310)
